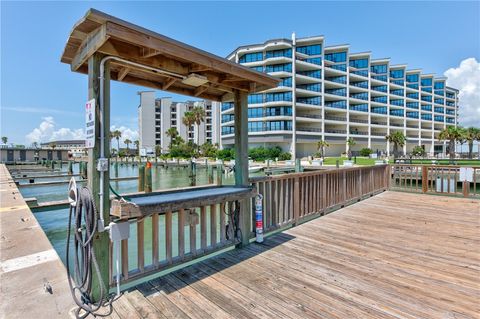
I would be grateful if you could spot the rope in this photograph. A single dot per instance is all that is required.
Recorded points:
(85, 228)
(233, 230)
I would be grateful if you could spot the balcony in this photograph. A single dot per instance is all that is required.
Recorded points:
(308, 115)
(335, 118)
(378, 123)
(309, 129)
(335, 131)
(354, 120)
(357, 132)
(337, 104)
(396, 124)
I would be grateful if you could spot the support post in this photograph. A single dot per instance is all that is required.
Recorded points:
(424, 179)
(148, 178)
(241, 160)
(219, 168)
(101, 240)
(141, 178)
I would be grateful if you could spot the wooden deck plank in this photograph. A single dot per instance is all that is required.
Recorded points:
(395, 255)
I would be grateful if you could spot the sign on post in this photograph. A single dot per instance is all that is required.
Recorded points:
(466, 174)
(90, 124)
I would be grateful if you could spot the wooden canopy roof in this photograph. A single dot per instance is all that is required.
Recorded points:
(100, 32)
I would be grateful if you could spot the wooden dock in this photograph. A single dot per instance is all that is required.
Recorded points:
(395, 255)
(28, 262)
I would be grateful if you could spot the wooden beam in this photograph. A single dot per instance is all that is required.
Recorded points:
(145, 38)
(168, 83)
(90, 45)
(148, 53)
(123, 72)
(101, 241)
(108, 48)
(241, 159)
(76, 34)
(200, 90)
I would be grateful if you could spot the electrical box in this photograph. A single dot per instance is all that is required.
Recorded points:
(119, 231)
(102, 164)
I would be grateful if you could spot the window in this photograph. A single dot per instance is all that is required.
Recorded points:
(413, 86)
(439, 92)
(255, 112)
(397, 74)
(285, 82)
(412, 105)
(361, 96)
(379, 68)
(279, 111)
(337, 104)
(426, 117)
(379, 99)
(359, 63)
(227, 105)
(397, 82)
(398, 102)
(251, 57)
(278, 53)
(336, 57)
(412, 78)
(286, 67)
(279, 125)
(309, 100)
(338, 79)
(283, 96)
(381, 88)
(227, 130)
(426, 98)
(439, 109)
(255, 98)
(341, 92)
(412, 95)
(426, 107)
(397, 92)
(379, 110)
(257, 68)
(317, 61)
(313, 74)
(341, 67)
(396, 112)
(413, 115)
(380, 78)
(426, 82)
(438, 118)
(255, 126)
(359, 107)
(310, 87)
(439, 85)
(439, 101)
(314, 49)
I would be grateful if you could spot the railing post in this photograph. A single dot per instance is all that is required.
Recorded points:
(424, 179)
(296, 200)
(141, 178)
(466, 188)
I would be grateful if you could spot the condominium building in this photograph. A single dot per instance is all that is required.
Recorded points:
(156, 116)
(329, 93)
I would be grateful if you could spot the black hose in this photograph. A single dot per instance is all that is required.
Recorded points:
(85, 262)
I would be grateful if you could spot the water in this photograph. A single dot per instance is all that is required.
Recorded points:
(54, 222)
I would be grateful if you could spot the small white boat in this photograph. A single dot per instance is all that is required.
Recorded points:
(254, 169)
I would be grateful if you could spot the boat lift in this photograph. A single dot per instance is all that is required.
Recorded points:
(107, 48)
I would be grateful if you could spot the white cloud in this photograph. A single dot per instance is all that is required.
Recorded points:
(38, 110)
(46, 132)
(127, 133)
(466, 78)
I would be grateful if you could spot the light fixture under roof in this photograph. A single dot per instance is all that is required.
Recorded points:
(195, 80)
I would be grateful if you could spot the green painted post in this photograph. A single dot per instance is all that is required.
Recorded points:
(52, 165)
(193, 173)
(61, 164)
(70, 167)
(298, 166)
(85, 170)
(115, 166)
(141, 178)
(219, 173)
(337, 163)
(241, 162)
(101, 241)
(148, 178)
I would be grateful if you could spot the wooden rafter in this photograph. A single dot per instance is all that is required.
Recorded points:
(122, 73)
(89, 45)
(168, 83)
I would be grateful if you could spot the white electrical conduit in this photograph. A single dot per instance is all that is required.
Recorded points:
(102, 114)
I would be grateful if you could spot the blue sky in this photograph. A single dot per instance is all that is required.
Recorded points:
(36, 89)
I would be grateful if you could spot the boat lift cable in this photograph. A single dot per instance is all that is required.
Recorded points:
(82, 221)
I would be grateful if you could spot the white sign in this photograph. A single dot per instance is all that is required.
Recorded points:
(143, 152)
(466, 174)
(90, 124)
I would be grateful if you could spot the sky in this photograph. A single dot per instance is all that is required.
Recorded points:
(42, 100)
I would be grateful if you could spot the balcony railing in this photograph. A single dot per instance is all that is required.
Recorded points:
(336, 118)
(355, 132)
(358, 120)
(334, 131)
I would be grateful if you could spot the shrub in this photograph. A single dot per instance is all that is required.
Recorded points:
(418, 151)
(208, 150)
(226, 154)
(365, 152)
(284, 156)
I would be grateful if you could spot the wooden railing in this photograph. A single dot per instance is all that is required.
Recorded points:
(434, 179)
(163, 240)
(293, 198)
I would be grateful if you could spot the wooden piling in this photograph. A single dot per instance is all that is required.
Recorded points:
(141, 178)
(148, 178)
(70, 168)
(219, 173)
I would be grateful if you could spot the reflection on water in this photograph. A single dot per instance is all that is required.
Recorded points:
(54, 223)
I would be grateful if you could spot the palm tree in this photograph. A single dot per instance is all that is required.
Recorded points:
(188, 119)
(321, 145)
(472, 134)
(398, 139)
(173, 134)
(116, 135)
(52, 145)
(451, 134)
(4, 139)
(350, 143)
(127, 142)
(137, 144)
(199, 117)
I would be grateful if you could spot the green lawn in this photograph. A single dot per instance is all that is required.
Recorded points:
(360, 160)
(371, 161)
(447, 162)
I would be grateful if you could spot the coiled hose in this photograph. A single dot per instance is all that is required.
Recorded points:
(85, 263)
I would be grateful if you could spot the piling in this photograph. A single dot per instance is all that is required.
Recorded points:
(61, 164)
(298, 166)
(148, 178)
(52, 165)
(141, 178)
(84, 170)
(337, 163)
(193, 173)
(219, 172)
(210, 174)
(70, 167)
(115, 166)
